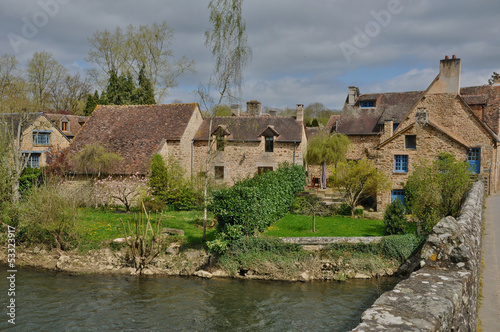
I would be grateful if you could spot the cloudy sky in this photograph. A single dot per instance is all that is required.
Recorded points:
(303, 51)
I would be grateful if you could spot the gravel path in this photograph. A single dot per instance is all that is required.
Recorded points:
(489, 311)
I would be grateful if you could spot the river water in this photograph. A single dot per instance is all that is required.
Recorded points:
(49, 301)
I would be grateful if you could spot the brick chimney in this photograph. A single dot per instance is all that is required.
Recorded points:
(300, 113)
(353, 95)
(235, 110)
(273, 112)
(448, 80)
(254, 107)
(496, 80)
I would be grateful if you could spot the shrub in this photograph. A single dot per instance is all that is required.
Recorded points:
(255, 203)
(395, 218)
(127, 190)
(437, 190)
(344, 209)
(401, 247)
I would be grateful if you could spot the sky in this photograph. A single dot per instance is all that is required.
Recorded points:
(302, 51)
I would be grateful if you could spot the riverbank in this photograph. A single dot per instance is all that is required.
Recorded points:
(177, 261)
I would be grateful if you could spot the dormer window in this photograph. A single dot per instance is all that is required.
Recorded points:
(64, 125)
(269, 133)
(220, 134)
(269, 143)
(367, 104)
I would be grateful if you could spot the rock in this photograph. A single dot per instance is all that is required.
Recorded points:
(203, 274)
(173, 249)
(220, 273)
(361, 276)
(173, 231)
(304, 276)
(63, 262)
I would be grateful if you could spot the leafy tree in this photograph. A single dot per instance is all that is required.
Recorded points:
(94, 159)
(325, 148)
(491, 80)
(395, 218)
(358, 179)
(436, 190)
(312, 205)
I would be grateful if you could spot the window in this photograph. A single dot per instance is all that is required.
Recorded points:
(221, 142)
(474, 160)
(263, 169)
(401, 163)
(33, 160)
(41, 138)
(64, 125)
(411, 141)
(219, 172)
(368, 103)
(395, 126)
(398, 194)
(269, 143)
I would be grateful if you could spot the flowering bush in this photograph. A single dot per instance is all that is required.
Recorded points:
(125, 190)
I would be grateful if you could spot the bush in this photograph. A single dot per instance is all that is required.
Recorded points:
(395, 218)
(255, 203)
(401, 247)
(344, 210)
(437, 190)
(46, 216)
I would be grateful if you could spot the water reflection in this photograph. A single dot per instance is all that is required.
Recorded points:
(48, 301)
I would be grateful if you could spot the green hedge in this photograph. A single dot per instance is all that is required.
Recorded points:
(255, 203)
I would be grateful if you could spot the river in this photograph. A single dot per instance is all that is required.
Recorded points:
(50, 301)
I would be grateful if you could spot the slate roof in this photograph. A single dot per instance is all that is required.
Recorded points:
(249, 128)
(395, 106)
(135, 132)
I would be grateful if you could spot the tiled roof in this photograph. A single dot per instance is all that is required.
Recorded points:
(249, 128)
(75, 122)
(395, 106)
(135, 132)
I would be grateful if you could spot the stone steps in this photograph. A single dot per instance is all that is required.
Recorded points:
(329, 196)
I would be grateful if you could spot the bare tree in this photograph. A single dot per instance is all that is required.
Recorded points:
(127, 51)
(44, 74)
(227, 41)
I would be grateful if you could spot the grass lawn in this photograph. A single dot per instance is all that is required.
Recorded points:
(96, 227)
(293, 225)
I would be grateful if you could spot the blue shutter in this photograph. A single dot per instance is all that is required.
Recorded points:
(474, 160)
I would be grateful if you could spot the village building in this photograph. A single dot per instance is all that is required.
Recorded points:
(246, 144)
(69, 124)
(398, 130)
(137, 132)
(34, 135)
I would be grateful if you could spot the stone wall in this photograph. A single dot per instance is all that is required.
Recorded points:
(443, 294)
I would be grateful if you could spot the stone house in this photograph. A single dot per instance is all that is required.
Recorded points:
(245, 144)
(398, 130)
(69, 124)
(37, 136)
(137, 132)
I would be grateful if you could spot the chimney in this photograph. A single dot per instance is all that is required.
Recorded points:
(300, 113)
(273, 112)
(254, 107)
(235, 110)
(353, 95)
(496, 80)
(448, 80)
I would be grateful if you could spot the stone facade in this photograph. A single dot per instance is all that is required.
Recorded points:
(437, 120)
(245, 152)
(39, 136)
(444, 294)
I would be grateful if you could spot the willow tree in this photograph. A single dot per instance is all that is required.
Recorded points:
(227, 41)
(326, 148)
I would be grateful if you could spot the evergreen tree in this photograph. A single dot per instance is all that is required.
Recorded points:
(92, 102)
(144, 95)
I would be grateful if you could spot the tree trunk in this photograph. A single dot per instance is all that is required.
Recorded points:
(323, 176)
(314, 223)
